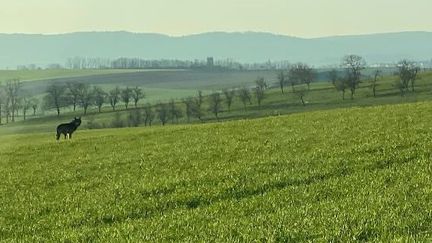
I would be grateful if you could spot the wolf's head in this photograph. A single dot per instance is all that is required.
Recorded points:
(77, 121)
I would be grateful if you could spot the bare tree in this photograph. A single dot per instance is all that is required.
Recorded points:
(407, 72)
(74, 93)
(374, 81)
(114, 97)
(341, 85)
(18, 106)
(261, 83)
(197, 109)
(163, 113)
(174, 111)
(300, 76)
(26, 105)
(260, 88)
(135, 117)
(2, 102)
(282, 80)
(245, 96)
(333, 76)
(354, 65)
(229, 96)
(200, 98)
(12, 91)
(414, 76)
(55, 97)
(400, 86)
(215, 104)
(301, 92)
(148, 114)
(137, 94)
(6, 107)
(293, 77)
(189, 103)
(300, 73)
(85, 97)
(99, 97)
(34, 105)
(126, 96)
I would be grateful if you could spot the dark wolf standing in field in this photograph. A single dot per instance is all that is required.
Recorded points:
(68, 128)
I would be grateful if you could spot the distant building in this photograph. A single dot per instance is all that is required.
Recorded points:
(210, 62)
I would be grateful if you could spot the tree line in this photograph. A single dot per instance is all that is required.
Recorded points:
(349, 77)
(139, 63)
(190, 108)
(297, 78)
(85, 96)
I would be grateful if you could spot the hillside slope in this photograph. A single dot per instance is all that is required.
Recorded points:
(340, 175)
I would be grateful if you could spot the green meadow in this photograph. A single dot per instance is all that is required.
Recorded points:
(357, 174)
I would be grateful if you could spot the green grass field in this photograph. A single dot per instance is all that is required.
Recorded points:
(358, 174)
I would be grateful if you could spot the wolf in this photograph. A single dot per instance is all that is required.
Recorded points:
(68, 128)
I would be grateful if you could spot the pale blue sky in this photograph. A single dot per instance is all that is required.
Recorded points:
(303, 18)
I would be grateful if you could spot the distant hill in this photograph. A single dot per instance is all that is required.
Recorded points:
(23, 49)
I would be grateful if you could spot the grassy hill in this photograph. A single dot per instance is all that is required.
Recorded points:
(339, 175)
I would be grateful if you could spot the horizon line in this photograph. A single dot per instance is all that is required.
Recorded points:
(216, 32)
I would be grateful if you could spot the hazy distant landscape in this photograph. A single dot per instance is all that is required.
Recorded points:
(247, 47)
(215, 121)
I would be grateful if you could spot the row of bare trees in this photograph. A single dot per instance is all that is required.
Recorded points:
(351, 76)
(194, 107)
(12, 101)
(74, 95)
(299, 76)
(84, 95)
(218, 100)
(138, 63)
(407, 73)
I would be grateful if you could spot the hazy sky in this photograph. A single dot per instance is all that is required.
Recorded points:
(304, 18)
